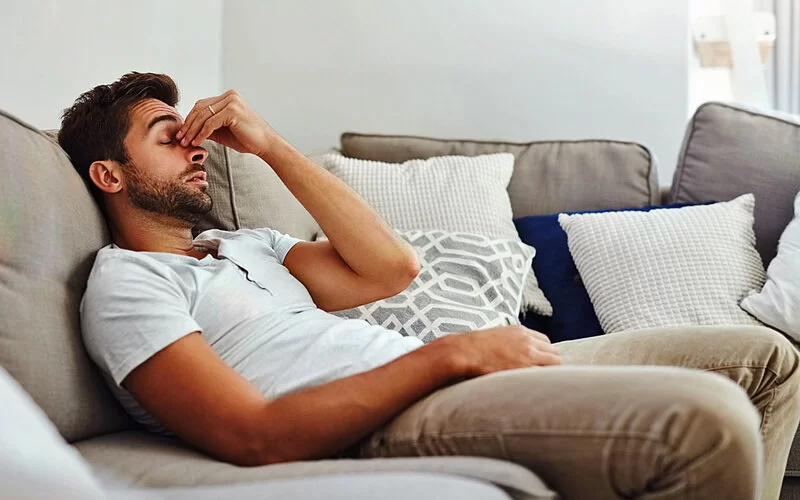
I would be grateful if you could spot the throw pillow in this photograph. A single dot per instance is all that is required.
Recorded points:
(466, 282)
(35, 461)
(573, 314)
(778, 303)
(446, 193)
(678, 267)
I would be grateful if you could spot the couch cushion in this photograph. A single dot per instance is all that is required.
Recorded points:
(730, 150)
(247, 193)
(51, 229)
(549, 176)
(353, 486)
(143, 459)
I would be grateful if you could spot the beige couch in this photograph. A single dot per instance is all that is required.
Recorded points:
(51, 229)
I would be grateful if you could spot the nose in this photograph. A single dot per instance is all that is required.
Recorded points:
(196, 154)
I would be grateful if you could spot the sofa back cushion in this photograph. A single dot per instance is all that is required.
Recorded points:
(247, 193)
(51, 229)
(730, 150)
(549, 176)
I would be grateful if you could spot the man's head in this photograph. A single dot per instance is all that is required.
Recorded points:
(121, 140)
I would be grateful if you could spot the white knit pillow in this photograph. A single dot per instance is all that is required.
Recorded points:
(464, 194)
(778, 303)
(668, 267)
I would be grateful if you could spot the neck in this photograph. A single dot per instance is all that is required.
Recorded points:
(147, 232)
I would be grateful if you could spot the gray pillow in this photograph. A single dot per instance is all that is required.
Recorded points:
(466, 282)
(668, 267)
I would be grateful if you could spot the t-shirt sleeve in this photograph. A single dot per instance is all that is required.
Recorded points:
(280, 243)
(132, 308)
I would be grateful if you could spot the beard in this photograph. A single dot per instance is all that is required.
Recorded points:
(172, 198)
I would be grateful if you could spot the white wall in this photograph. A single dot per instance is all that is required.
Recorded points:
(515, 70)
(51, 50)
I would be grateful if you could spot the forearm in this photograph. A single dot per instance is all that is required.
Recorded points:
(360, 236)
(321, 421)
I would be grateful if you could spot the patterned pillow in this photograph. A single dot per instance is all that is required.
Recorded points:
(447, 193)
(675, 267)
(466, 282)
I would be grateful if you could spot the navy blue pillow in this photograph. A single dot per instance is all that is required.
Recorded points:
(573, 313)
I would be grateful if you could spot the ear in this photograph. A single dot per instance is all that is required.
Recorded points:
(106, 175)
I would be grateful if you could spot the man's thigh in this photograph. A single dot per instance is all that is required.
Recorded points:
(608, 431)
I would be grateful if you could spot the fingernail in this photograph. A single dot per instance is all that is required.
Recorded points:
(183, 142)
(179, 135)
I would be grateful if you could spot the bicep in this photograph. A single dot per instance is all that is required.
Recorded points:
(332, 284)
(190, 390)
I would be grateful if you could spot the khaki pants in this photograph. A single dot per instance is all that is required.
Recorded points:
(596, 427)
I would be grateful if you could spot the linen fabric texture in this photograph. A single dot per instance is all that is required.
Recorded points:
(447, 193)
(573, 313)
(778, 303)
(678, 267)
(466, 282)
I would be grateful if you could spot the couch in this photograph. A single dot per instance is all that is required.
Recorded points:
(51, 229)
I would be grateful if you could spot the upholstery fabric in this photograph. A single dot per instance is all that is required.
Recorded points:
(35, 461)
(677, 267)
(382, 485)
(549, 176)
(247, 193)
(448, 193)
(51, 229)
(466, 282)
(139, 458)
(730, 150)
(573, 314)
(778, 303)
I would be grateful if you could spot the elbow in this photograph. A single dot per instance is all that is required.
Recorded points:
(406, 272)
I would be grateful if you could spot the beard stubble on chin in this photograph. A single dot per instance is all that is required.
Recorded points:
(172, 198)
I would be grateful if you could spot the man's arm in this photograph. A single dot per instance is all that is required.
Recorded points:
(193, 393)
(366, 246)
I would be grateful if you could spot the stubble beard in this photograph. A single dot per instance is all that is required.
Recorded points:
(171, 198)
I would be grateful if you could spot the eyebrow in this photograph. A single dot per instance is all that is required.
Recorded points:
(161, 118)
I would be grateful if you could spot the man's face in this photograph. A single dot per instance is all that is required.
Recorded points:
(157, 176)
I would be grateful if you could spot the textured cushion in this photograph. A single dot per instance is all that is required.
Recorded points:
(549, 176)
(466, 282)
(448, 193)
(147, 460)
(573, 314)
(778, 303)
(247, 193)
(51, 229)
(731, 150)
(35, 461)
(359, 486)
(678, 267)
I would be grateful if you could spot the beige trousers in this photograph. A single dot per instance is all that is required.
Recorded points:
(596, 427)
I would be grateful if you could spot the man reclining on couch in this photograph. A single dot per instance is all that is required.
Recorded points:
(226, 340)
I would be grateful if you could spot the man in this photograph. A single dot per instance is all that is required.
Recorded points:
(225, 340)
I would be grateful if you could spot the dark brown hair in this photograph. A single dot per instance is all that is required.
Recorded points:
(95, 126)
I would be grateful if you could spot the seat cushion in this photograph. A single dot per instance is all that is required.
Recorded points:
(51, 230)
(549, 176)
(354, 486)
(730, 150)
(139, 458)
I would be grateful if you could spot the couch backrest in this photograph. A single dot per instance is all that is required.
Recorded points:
(549, 176)
(51, 229)
(729, 150)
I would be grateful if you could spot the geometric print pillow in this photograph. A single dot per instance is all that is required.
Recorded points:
(673, 267)
(464, 194)
(466, 282)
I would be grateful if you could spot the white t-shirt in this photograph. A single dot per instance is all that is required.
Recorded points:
(255, 315)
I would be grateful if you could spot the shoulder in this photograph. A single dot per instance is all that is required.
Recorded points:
(119, 264)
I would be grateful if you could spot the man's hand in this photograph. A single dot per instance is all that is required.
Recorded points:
(228, 120)
(503, 348)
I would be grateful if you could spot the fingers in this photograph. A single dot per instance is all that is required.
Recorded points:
(537, 335)
(199, 114)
